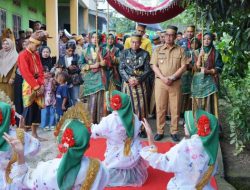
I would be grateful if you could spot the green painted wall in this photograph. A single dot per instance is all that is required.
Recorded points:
(23, 11)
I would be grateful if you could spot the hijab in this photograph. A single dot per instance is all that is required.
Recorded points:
(8, 58)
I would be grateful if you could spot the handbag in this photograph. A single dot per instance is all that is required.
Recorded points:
(76, 79)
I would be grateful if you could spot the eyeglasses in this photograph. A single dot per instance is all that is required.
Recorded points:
(119, 39)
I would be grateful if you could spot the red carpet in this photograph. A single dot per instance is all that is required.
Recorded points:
(157, 180)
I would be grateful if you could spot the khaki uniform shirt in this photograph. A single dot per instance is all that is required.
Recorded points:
(169, 60)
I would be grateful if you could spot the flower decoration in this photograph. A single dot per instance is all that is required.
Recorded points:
(116, 102)
(67, 141)
(203, 126)
(12, 119)
(1, 117)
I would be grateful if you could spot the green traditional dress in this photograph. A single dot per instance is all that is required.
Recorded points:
(94, 84)
(205, 86)
(186, 80)
(110, 54)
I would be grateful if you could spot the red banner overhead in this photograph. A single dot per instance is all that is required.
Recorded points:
(147, 11)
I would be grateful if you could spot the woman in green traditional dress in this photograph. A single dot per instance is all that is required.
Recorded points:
(94, 79)
(187, 76)
(205, 84)
(110, 56)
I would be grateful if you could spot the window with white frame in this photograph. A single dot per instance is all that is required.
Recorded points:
(2, 20)
(16, 25)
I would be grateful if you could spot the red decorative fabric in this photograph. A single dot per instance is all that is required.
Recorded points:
(154, 181)
(67, 140)
(116, 102)
(31, 68)
(12, 119)
(1, 117)
(145, 14)
(147, 8)
(203, 126)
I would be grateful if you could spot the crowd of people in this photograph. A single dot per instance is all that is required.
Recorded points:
(120, 81)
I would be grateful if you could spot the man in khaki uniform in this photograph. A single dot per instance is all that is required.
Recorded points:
(168, 62)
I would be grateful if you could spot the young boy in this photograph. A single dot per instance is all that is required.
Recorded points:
(62, 95)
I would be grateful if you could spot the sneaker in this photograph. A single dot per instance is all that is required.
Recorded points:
(52, 128)
(46, 128)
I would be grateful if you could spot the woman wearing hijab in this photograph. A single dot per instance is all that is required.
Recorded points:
(110, 55)
(121, 129)
(8, 63)
(7, 125)
(46, 59)
(205, 83)
(94, 78)
(73, 170)
(193, 160)
(7, 33)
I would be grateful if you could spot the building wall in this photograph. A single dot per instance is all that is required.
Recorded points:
(23, 11)
(63, 17)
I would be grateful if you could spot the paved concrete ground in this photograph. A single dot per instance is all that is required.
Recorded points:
(49, 151)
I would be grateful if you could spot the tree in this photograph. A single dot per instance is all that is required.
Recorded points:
(121, 24)
(230, 19)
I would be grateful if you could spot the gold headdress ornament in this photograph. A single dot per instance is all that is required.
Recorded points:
(76, 112)
(19, 134)
(6, 99)
(38, 36)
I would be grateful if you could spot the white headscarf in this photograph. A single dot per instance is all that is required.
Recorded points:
(8, 58)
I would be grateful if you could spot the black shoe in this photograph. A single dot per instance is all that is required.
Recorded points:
(158, 137)
(175, 138)
(143, 134)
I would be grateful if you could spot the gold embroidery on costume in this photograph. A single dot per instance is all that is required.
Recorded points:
(76, 112)
(127, 146)
(14, 158)
(93, 169)
(205, 179)
(6, 99)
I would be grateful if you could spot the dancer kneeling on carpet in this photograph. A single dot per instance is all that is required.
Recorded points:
(121, 129)
(193, 160)
(72, 170)
(8, 126)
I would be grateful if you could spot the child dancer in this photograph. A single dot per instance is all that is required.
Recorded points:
(121, 129)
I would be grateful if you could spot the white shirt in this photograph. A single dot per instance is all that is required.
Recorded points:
(68, 61)
(44, 176)
(112, 129)
(31, 148)
(188, 160)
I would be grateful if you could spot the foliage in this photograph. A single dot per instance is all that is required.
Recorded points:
(121, 24)
(183, 19)
(230, 19)
(236, 91)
